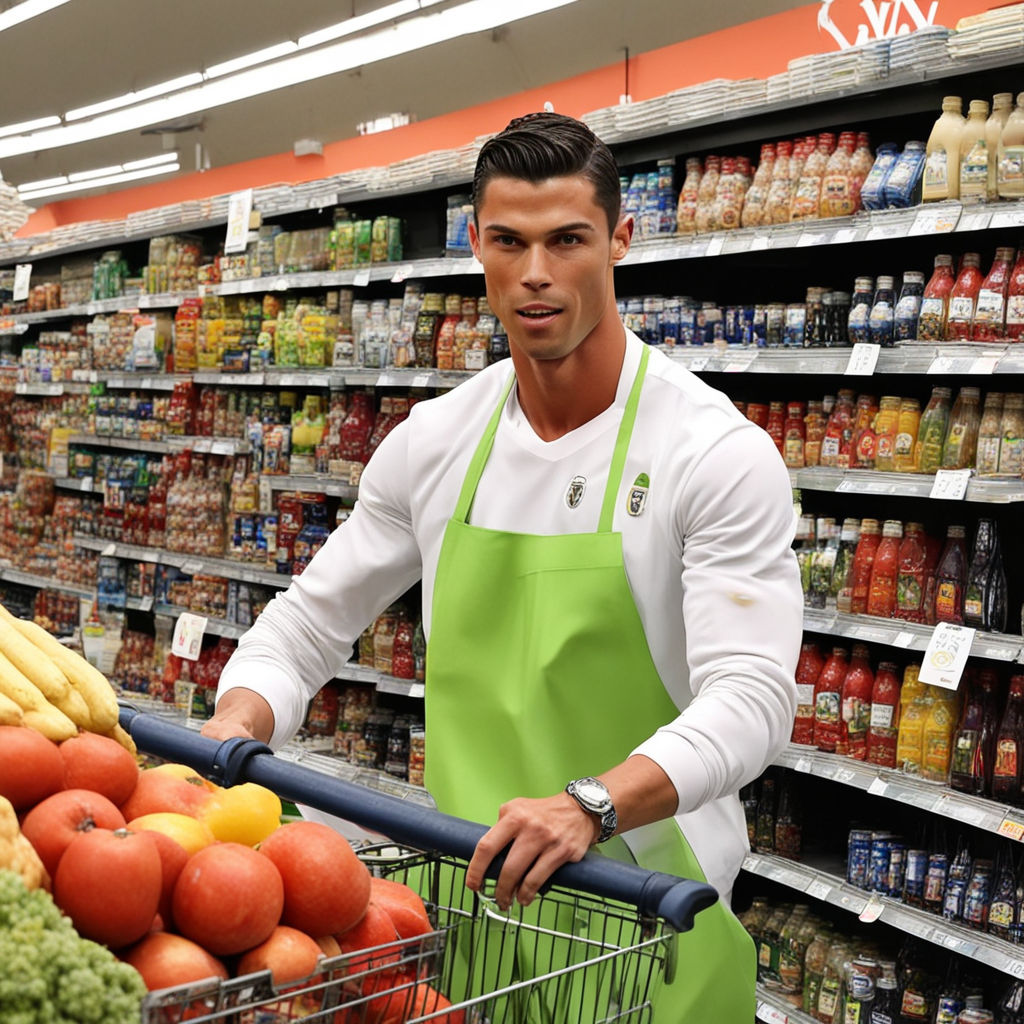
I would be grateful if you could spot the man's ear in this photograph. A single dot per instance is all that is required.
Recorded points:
(474, 238)
(622, 236)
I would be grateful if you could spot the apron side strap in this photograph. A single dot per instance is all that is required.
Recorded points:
(479, 460)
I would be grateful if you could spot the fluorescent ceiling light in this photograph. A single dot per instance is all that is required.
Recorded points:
(150, 161)
(359, 23)
(29, 126)
(248, 60)
(173, 85)
(23, 11)
(32, 186)
(99, 172)
(392, 40)
(113, 179)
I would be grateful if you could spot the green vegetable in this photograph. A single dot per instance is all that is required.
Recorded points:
(50, 974)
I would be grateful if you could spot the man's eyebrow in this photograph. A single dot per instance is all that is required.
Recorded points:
(582, 225)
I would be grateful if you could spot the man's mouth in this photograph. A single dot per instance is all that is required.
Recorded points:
(537, 312)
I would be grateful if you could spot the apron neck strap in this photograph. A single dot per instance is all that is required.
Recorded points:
(483, 451)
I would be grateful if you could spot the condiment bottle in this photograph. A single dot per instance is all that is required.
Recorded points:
(767, 804)
(686, 211)
(935, 302)
(814, 968)
(963, 298)
(794, 435)
(931, 433)
(814, 431)
(971, 766)
(961, 444)
(938, 734)
(990, 313)
(886, 427)
(822, 563)
(1010, 172)
(988, 435)
(787, 838)
(951, 577)
(901, 186)
(872, 192)
(835, 445)
(908, 307)
(776, 424)
(1002, 106)
(756, 200)
(860, 310)
(905, 452)
(860, 167)
(829, 997)
(841, 591)
(883, 728)
(941, 170)
(978, 574)
(855, 706)
(862, 443)
(840, 193)
(384, 640)
(974, 157)
(1011, 430)
(827, 696)
(1000, 910)
(911, 575)
(704, 214)
(886, 1007)
(884, 571)
(808, 668)
(1015, 300)
(1006, 771)
(728, 197)
(777, 205)
(881, 318)
(808, 196)
(863, 563)
(915, 702)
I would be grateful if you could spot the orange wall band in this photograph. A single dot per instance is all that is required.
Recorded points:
(755, 49)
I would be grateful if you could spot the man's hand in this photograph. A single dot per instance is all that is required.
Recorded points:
(242, 713)
(545, 834)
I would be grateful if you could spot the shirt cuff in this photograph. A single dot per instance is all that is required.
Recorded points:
(677, 759)
(286, 703)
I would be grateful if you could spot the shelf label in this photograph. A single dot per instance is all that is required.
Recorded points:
(239, 213)
(863, 359)
(146, 603)
(878, 786)
(946, 655)
(809, 238)
(389, 380)
(984, 364)
(844, 235)
(1012, 830)
(819, 890)
(402, 273)
(222, 448)
(476, 358)
(878, 232)
(903, 639)
(22, 275)
(188, 636)
(191, 566)
(951, 484)
(872, 910)
(845, 775)
(740, 364)
(417, 690)
(85, 484)
(759, 242)
(1007, 219)
(421, 380)
(109, 551)
(803, 764)
(361, 278)
(715, 244)
(698, 364)
(975, 221)
(770, 1015)
(936, 220)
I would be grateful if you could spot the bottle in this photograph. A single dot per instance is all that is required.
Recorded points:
(791, 953)
(814, 967)
(1015, 300)
(862, 444)
(827, 696)
(860, 310)
(842, 181)
(1000, 909)
(403, 663)
(1010, 172)
(859, 990)
(910, 575)
(902, 186)
(931, 433)
(808, 196)
(988, 435)
(804, 539)
(873, 191)
(776, 424)
(881, 318)
(764, 832)
(814, 431)
(686, 210)
(755, 202)
(950, 578)
(905, 453)
(908, 307)
(937, 735)
(779, 191)
(959, 450)
(860, 166)
(841, 590)
(704, 214)
(1006, 770)
(829, 995)
(886, 1007)
(787, 824)
(863, 563)
(978, 574)
(978, 895)
(808, 668)
(1002, 105)
(967, 769)
(794, 435)
(883, 727)
(886, 426)
(915, 703)
(835, 445)
(823, 562)
(974, 158)
(931, 325)
(963, 298)
(1011, 432)
(990, 314)
(728, 197)
(855, 704)
(419, 652)
(884, 571)
(941, 177)
(995, 592)
(768, 944)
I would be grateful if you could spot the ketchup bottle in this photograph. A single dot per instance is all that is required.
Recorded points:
(963, 298)
(883, 728)
(827, 695)
(863, 564)
(1015, 301)
(884, 571)
(855, 704)
(808, 668)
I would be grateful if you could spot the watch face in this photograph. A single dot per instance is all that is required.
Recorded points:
(592, 792)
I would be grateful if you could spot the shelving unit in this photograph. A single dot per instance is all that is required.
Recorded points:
(774, 1008)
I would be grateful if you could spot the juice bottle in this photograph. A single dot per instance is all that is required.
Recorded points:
(886, 427)
(1002, 106)
(988, 435)
(938, 734)
(808, 668)
(884, 571)
(941, 169)
(935, 301)
(915, 702)
(883, 727)
(1015, 300)
(974, 158)
(990, 314)
(814, 431)
(960, 447)
(931, 434)
(910, 575)
(862, 443)
(1011, 432)
(908, 307)
(863, 563)
(905, 453)
(841, 591)
(881, 319)
(1009, 757)
(835, 445)
(1010, 172)
(855, 706)
(827, 696)
(794, 435)
(951, 577)
(686, 211)
(963, 298)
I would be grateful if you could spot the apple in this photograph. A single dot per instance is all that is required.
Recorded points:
(228, 898)
(31, 767)
(326, 886)
(53, 823)
(289, 955)
(100, 764)
(156, 791)
(108, 883)
(166, 960)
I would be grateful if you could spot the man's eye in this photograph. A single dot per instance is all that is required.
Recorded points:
(505, 239)
(570, 239)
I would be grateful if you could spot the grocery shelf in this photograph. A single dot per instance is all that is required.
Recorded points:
(49, 389)
(218, 627)
(29, 579)
(314, 483)
(831, 889)
(775, 1008)
(143, 380)
(909, 636)
(131, 444)
(383, 683)
(211, 445)
(908, 485)
(74, 483)
(120, 303)
(988, 815)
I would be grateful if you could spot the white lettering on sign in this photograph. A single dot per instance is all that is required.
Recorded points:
(884, 19)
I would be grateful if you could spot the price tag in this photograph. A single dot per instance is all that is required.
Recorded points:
(146, 603)
(770, 1015)
(903, 639)
(878, 787)
(845, 485)
(951, 941)
(22, 275)
(239, 212)
(883, 231)
(872, 910)
(421, 380)
(940, 364)
(844, 235)
(1015, 967)
(389, 380)
(845, 775)
(361, 278)
(322, 201)
(803, 764)
(476, 358)
(819, 890)
(188, 636)
(863, 359)
(86, 483)
(808, 238)
(715, 244)
(402, 273)
(698, 364)
(1012, 830)
(417, 690)
(984, 364)
(951, 484)
(740, 364)
(222, 447)
(935, 220)
(975, 221)
(759, 242)
(946, 655)
(191, 566)
(110, 550)
(1007, 219)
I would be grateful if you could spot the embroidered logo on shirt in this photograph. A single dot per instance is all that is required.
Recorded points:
(638, 495)
(574, 495)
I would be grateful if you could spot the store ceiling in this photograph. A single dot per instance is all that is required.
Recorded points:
(91, 50)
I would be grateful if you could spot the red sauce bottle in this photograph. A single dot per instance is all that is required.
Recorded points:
(884, 571)
(990, 313)
(776, 425)
(835, 445)
(863, 563)
(356, 427)
(794, 435)
(931, 325)
(911, 577)
(951, 578)
(827, 696)
(1015, 301)
(885, 717)
(808, 668)
(964, 298)
(855, 714)
(1006, 773)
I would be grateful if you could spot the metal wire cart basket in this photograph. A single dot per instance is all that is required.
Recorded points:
(592, 947)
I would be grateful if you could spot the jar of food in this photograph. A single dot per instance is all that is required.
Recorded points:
(961, 444)
(794, 435)
(1011, 431)
(908, 308)
(860, 310)
(814, 430)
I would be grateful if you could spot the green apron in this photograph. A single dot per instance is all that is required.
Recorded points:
(538, 672)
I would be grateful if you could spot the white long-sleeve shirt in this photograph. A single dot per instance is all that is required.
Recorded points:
(708, 560)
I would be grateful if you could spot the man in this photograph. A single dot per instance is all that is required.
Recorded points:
(608, 585)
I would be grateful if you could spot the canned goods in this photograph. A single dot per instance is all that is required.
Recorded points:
(878, 862)
(858, 854)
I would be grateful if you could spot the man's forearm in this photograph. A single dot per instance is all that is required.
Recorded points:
(641, 792)
(241, 712)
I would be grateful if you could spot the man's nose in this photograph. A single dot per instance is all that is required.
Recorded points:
(535, 273)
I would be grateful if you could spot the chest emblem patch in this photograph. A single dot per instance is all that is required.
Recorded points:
(574, 495)
(638, 495)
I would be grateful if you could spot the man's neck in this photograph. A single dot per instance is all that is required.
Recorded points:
(559, 395)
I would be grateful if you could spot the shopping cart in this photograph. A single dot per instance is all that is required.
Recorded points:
(591, 948)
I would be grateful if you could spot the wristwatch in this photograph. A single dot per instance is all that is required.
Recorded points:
(593, 796)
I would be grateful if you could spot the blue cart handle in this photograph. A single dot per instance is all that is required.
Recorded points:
(230, 762)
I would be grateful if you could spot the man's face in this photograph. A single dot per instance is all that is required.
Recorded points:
(547, 260)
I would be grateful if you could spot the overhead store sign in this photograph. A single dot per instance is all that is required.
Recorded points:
(852, 22)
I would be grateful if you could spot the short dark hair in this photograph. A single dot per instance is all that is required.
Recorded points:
(544, 145)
